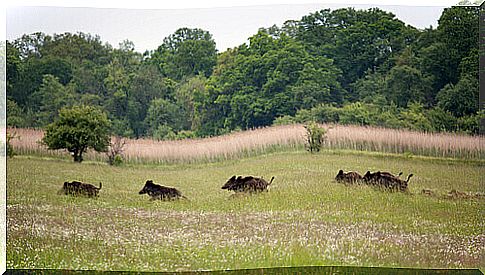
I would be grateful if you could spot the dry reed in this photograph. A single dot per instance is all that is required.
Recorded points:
(263, 140)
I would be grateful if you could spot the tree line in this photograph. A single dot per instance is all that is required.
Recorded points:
(345, 66)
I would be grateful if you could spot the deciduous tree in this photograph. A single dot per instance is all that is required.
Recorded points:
(77, 129)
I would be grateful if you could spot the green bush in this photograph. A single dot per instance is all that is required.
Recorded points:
(164, 132)
(185, 135)
(315, 137)
(325, 113)
(441, 120)
(10, 150)
(355, 113)
(284, 120)
(471, 124)
(118, 160)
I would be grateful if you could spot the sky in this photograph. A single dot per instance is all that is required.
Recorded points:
(146, 23)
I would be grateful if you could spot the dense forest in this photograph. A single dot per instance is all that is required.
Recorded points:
(345, 66)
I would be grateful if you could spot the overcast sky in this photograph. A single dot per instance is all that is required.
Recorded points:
(147, 23)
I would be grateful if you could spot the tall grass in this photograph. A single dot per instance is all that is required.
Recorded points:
(404, 141)
(263, 140)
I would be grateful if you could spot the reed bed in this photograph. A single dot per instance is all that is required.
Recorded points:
(404, 141)
(269, 139)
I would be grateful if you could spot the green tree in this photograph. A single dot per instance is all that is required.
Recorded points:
(369, 86)
(185, 95)
(89, 78)
(78, 129)
(458, 31)
(414, 117)
(29, 45)
(51, 97)
(405, 83)
(323, 113)
(31, 77)
(117, 86)
(355, 113)
(185, 53)
(76, 48)
(471, 124)
(441, 120)
(460, 99)
(163, 113)
(436, 63)
(458, 27)
(469, 64)
(271, 77)
(13, 66)
(126, 56)
(357, 40)
(145, 85)
(14, 114)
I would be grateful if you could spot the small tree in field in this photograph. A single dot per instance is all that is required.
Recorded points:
(115, 151)
(10, 150)
(315, 136)
(77, 129)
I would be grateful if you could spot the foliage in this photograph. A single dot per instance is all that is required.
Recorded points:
(164, 113)
(78, 129)
(414, 118)
(358, 40)
(13, 65)
(459, 31)
(51, 97)
(405, 83)
(284, 120)
(471, 124)
(185, 135)
(115, 151)
(354, 113)
(270, 77)
(15, 117)
(460, 99)
(9, 147)
(186, 95)
(163, 132)
(441, 120)
(345, 65)
(370, 86)
(315, 137)
(187, 52)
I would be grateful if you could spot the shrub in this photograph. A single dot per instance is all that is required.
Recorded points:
(284, 120)
(164, 132)
(355, 113)
(326, 113)
(441, 120)
(471, 124)
(315, 136)
(117, 161)
(10, 150)
(115, 151)
(185, 135)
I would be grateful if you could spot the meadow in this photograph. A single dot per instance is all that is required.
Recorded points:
(305, 218)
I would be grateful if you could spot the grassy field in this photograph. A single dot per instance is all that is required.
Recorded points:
(306, 218)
